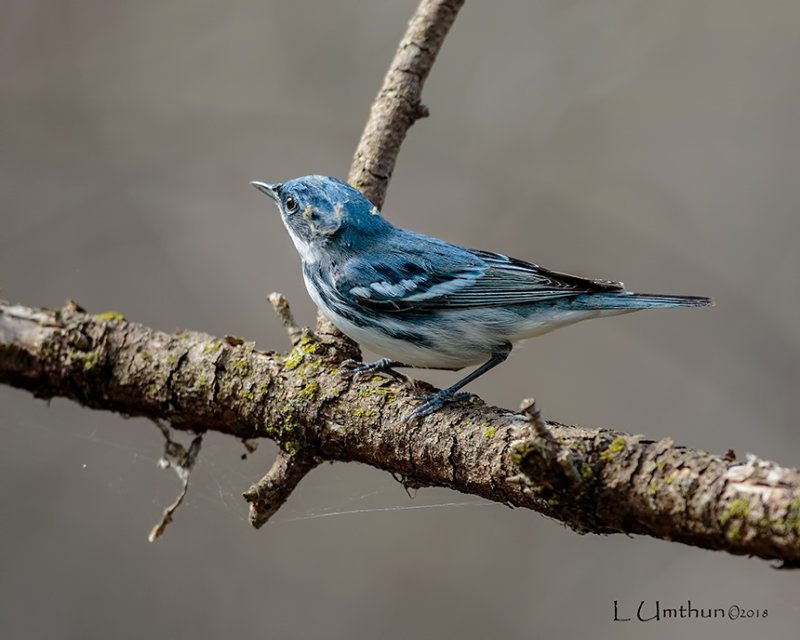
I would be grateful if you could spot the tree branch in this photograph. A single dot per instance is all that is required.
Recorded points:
(398, 104)
(594, 480)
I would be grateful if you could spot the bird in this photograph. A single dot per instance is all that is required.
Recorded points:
(422, 302)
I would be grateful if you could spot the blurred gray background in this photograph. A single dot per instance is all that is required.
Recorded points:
(656, 143)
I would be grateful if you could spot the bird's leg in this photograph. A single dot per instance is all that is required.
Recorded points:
(436, 401)
(384, 365)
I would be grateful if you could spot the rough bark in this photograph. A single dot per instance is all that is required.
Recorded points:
(594, 480)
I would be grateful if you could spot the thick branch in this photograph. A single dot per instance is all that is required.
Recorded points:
(594, 480)
(397, 105)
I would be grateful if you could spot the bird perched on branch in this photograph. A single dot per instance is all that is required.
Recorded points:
(423, 302)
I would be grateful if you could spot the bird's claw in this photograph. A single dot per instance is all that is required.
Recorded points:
(349, 367)
(384, 365)
(435, 402)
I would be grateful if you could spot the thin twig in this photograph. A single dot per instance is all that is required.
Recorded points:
(398, 104)
(281, 306)
(182, 461)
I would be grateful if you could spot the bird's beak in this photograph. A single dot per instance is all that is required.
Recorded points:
(272, 189)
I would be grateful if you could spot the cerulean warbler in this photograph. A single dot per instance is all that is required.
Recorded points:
(423, 302)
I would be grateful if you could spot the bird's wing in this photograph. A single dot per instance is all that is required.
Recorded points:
(431, 274)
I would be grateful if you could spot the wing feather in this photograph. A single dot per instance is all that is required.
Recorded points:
(426, 274)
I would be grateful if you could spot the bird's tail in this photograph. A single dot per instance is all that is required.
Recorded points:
(630, 300)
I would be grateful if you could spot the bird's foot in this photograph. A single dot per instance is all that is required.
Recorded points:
(384, 365)
(435, 402)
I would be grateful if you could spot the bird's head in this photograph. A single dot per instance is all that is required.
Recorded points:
(324, 214)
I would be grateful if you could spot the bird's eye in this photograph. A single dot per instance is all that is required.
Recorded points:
(290, 204)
